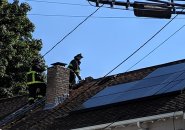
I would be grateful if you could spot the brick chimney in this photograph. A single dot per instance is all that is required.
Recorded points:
(57, 85)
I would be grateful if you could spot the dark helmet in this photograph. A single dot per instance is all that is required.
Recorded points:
(79, 55)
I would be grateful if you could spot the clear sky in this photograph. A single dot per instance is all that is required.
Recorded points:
(104, 42)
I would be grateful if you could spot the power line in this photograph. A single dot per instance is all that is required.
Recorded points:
(59, 15)
(71, 31)
(83, 16)
(90, 5)
(95, 17)
(54, 2)
(141, 46)
(156, 47)
(73, 4)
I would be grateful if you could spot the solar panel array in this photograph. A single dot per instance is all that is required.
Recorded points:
(162, 80)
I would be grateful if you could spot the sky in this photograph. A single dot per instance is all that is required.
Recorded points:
(104, 42)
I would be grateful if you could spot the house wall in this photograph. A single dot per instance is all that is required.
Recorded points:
(167, 124)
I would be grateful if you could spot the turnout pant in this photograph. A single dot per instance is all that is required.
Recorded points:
(36, 90)
(72, 79)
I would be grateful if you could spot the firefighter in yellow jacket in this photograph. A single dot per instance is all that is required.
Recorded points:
(36, 86)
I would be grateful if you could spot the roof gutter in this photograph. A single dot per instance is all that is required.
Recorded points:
(132, 121)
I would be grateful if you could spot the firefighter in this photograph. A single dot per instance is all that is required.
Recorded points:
(36, 86)
(74, 67)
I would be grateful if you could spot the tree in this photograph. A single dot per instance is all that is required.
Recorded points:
(19, 51)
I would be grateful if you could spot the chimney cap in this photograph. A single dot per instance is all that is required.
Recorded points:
(59, 63)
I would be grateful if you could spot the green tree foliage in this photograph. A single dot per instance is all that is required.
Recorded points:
(19, 51)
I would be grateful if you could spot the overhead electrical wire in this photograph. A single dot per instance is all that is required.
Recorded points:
(71, 32)
(141, 46)
(95, 17)
(156, 48)
(54, 2)
(90, 5)
(83, 16)
(73, 4)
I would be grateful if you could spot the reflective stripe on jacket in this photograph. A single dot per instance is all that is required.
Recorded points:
(33, 78)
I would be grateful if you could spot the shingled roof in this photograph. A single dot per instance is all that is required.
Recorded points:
(64, 117)
(9, 105)
(124, 111)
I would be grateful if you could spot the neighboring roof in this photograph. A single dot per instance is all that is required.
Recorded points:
(9, 105)
(63, 117)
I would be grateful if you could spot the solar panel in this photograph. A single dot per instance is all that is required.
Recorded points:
(108, 95)
(167, 70)
(99, 101)
(162, 80)
(116, 89)
(147, 82)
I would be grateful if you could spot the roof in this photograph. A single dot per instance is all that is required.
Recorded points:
(120, 112)
(64, 117)
(9, 105)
